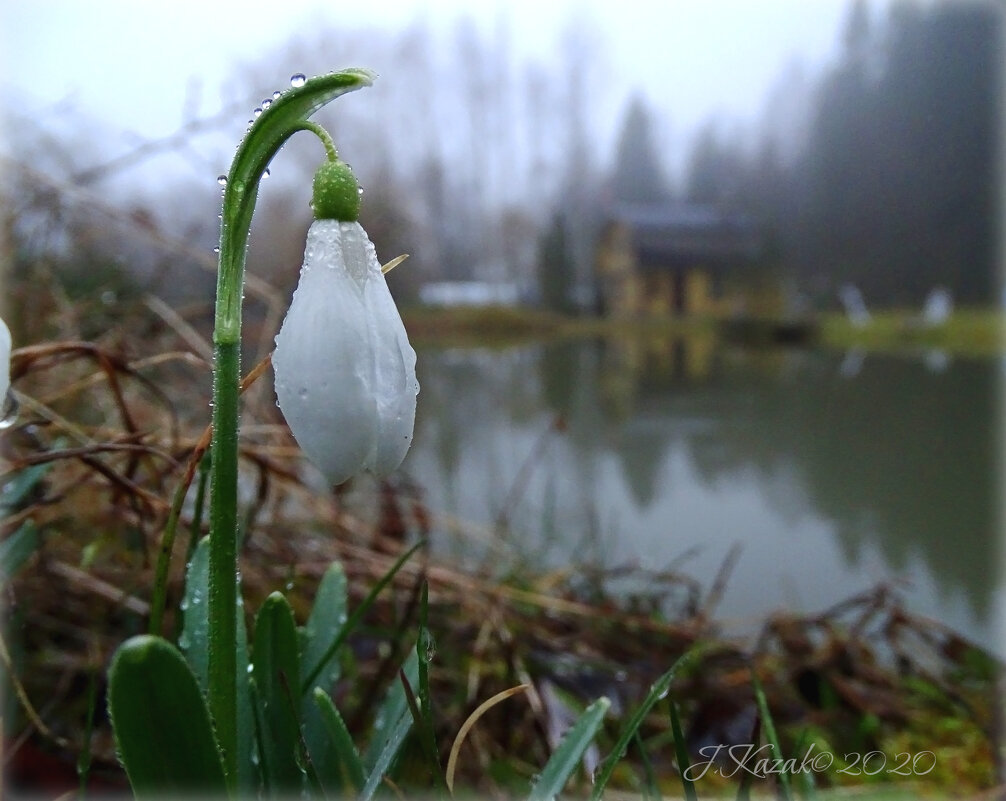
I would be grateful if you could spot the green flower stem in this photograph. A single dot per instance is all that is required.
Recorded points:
(330, 152)
(286, 115)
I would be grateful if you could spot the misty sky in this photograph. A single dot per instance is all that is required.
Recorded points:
(129, 64)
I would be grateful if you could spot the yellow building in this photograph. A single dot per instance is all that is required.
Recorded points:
(669, 260)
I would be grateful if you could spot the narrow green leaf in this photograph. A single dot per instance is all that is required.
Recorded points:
(194, 642)
(426, 648)
(276, 668)
(351, 624)
(196, 525)
(328, 616)
(247, 774)
(770, 734)
(23, 482)
(808, 789)
(393, 708)
(657, 691)
(391, 745)
(681, 752)
(161, 723)
(566, 757)
(17, 549)
(349, 763)
(194, 639)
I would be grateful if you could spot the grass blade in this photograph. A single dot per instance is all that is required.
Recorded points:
(652, 789)
(349, 762)
(681, 753)
(161, 723)
(657, 691)
(391, 745)
(425, 649)
(566, 757)
(770, 734)
(394, 707)
(350, 626)
(472, 719)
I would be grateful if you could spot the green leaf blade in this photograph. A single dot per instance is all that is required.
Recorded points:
(161, 723)
(567, 756)
(276, 669)
(17, 549)
(327, 618)
(344, 750)
(658, 690)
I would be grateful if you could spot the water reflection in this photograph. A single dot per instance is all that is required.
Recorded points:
(645, 450)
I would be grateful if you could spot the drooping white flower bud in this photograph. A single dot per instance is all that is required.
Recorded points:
(345, 371)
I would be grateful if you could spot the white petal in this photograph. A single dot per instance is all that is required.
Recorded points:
(345, 372)
(5, 348)
(395, 381)
(320, 361)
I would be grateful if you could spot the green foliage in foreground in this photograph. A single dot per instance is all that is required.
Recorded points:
(293, 740)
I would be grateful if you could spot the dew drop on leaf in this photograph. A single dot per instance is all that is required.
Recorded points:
(298, 79)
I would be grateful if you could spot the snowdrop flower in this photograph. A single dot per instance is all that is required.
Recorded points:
(345, 371)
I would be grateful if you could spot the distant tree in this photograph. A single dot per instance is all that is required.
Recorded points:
(556, 267)
(899, 177)
(715, 171)
(639, 173)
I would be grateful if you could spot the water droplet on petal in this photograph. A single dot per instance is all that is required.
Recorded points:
(298, 79)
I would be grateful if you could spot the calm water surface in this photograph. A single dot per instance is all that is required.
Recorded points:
(830, 473)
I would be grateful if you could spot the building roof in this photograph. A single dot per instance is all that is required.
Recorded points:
(667, 233)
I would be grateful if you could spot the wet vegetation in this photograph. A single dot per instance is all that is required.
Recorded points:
(99, 446)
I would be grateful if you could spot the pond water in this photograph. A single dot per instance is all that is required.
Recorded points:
(825, 473)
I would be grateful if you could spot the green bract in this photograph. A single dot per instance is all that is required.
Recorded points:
(336, 193)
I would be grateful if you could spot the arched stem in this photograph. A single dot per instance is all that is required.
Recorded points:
(284, 117)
